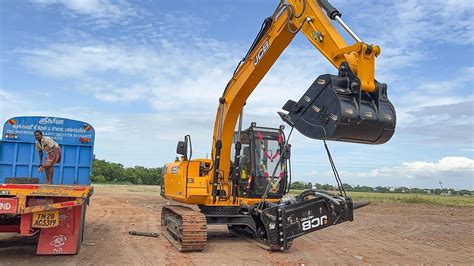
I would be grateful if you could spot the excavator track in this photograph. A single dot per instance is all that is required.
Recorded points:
(185, 228)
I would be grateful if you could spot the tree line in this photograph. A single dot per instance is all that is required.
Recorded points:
(115, 173)
(380, 189)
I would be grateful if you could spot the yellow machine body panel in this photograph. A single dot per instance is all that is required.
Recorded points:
(184, 183)
(197, 189)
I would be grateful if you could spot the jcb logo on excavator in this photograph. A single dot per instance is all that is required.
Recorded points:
(315, 222)
(261, 52)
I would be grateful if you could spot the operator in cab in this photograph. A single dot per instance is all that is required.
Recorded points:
(53, 155)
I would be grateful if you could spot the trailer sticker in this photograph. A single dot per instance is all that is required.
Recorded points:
(5, 206)
(57, 243)
(64, 217)
(54, 120)
(8, 205)
(62, 130)
(46, 219)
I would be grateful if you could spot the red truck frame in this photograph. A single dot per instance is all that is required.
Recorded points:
(54, 212)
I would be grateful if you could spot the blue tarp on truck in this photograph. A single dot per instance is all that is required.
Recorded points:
(19, 157)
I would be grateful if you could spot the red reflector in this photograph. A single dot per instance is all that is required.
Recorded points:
(84, 140)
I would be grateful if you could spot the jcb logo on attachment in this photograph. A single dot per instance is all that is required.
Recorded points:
(261, 52)
(314, 222)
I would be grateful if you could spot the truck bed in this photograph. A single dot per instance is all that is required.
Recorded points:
(17, 195)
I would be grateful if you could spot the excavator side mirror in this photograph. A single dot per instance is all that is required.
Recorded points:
(182, 148)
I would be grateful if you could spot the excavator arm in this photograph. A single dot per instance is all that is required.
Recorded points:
(352, 106)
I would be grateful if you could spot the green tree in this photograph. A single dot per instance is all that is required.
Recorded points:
(116, 173)
(111, 171)
(463, 192)
(327, 187)
(363, 189)
(98, 179)
(382, 189)
(298, 185)
(347, 187)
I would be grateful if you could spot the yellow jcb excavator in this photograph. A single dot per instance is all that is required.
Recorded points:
(243, 184)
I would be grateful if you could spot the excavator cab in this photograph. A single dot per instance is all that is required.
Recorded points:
(335, 108)
(263, 156)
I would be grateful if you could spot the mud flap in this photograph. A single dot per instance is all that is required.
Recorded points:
(284, 223)
(335, 108)
(63, 239)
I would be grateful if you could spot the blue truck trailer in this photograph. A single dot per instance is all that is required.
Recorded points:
(28, 206)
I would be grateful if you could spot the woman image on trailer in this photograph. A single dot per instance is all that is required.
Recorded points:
(53, 154)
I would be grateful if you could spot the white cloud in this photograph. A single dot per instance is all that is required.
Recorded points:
(445, 164)
(11, 103)
(99, 12)
(437, 110)
(125, 73)
(451, 166)
(75, 61)
(455, 171)
(173, 74)
(442, 124)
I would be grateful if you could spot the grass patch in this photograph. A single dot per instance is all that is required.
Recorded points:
(138, 189)
(371, 196)
(414, 198)
(410, 198)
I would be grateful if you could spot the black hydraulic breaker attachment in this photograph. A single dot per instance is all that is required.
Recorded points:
(274, 226)
(285, 222)
(335, 108)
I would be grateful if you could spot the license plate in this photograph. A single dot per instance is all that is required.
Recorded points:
(46, 219)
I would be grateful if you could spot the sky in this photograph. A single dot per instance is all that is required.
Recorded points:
(145, 73)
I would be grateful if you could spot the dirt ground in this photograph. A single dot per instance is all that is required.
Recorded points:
(381, 234)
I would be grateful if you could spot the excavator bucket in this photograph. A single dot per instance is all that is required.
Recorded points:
(335, 108)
